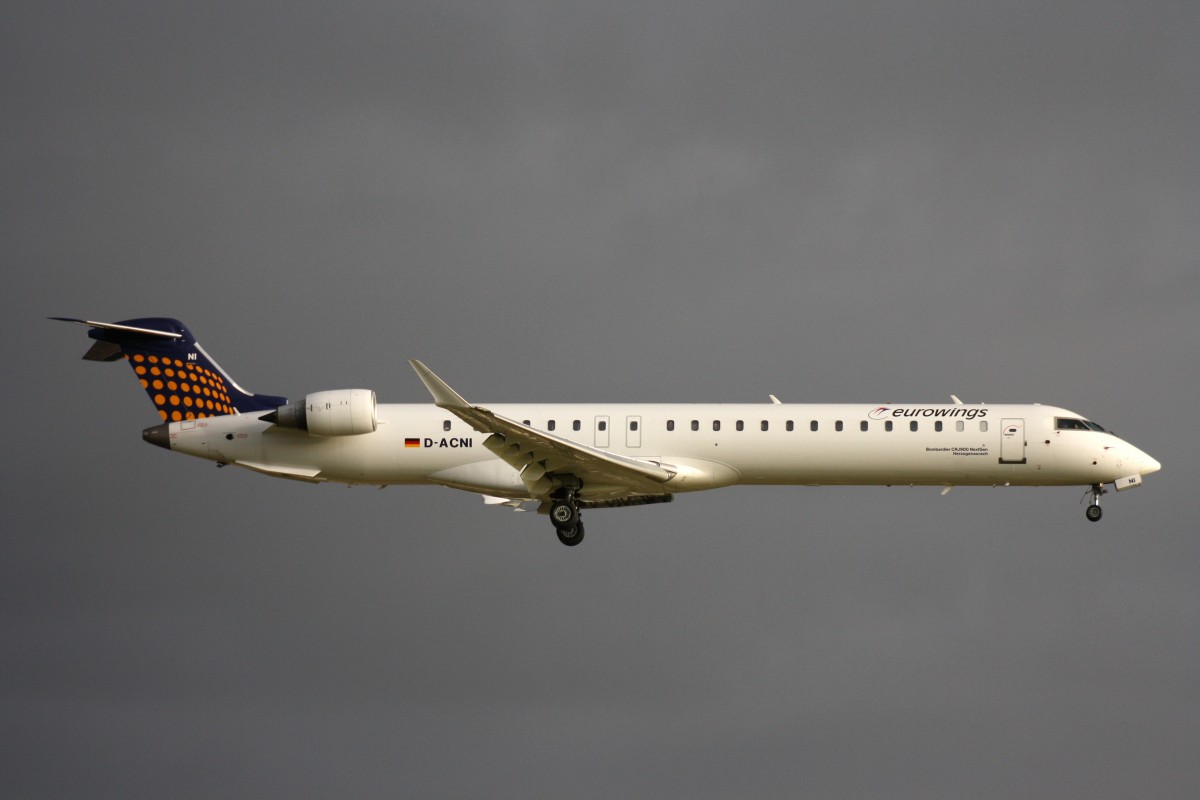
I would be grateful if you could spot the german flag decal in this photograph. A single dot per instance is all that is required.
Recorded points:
(412, 442)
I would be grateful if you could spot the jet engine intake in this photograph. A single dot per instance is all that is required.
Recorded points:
(340, 412)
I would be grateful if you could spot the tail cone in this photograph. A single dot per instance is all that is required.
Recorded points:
(158, 436)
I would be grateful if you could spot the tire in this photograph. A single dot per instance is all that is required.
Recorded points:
(564, 515)
(571, 536)
(1094, 513)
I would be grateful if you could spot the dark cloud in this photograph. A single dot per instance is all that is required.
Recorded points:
(828, 202)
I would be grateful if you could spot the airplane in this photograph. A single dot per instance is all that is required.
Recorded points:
(570, 458)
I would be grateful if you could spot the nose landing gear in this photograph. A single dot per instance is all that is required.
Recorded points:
(1094, 511)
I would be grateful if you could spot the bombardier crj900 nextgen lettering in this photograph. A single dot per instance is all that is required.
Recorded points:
(569, 458)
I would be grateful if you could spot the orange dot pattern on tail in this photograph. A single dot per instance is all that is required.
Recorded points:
(181, 390)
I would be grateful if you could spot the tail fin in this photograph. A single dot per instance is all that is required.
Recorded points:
(182, 380)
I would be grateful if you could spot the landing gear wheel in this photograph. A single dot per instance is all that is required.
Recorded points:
(571, 536)
(1093, 511)
(564, 514)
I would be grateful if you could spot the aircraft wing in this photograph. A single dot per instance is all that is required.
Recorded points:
(538, 455)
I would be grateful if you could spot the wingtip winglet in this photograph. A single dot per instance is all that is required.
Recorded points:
(443, 395)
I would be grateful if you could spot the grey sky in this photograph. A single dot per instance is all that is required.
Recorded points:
(570, 202)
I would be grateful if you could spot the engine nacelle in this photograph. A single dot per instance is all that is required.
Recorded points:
(341, 412)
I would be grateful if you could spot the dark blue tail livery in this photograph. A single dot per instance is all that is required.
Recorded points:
(181, 379)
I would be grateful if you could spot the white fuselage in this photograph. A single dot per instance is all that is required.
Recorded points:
(704, 445)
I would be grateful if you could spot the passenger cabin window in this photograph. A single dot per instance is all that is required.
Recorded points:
(602, 425)
(765, 425)
(912, 426)
(887, 426)
(446, 425)
(525, 421)
(960, 426)
(550, 425)
(741, 426)
(716, 424)
(937, 426)
(633, 426)
(812, 426)
(575, 425)
(837, 426)
(695, 424)
(983, 426)
(791, 426)
(862, 426)
(670, 424)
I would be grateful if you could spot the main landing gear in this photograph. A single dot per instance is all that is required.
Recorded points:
(1093, 511)
(564, 514)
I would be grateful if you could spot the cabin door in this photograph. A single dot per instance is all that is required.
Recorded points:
(1012, 441)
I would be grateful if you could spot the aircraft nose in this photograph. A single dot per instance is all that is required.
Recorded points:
(1145, 464)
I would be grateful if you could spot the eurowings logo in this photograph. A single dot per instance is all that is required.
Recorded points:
(964, 412)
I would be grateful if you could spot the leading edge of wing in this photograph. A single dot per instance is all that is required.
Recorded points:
(530, 446)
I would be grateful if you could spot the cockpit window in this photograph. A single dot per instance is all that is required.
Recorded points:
(1069, 424)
